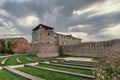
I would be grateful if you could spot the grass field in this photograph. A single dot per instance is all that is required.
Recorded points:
(1, 54)
(12, 59)
(6, 75)
(93, 58)
(49, 75)
(1, 59)
(66, 69)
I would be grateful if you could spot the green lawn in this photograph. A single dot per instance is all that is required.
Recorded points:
(93, 58)
(35, 58)
(6, 75)
(1, 60)
(12, 59)
(75, 64)
(1, 54)
(48, 75)
(66, 69)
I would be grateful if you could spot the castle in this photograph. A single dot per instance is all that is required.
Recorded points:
(47, 43)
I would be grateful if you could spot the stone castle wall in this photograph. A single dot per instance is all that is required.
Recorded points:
(67, 40)
(103, 48)
(44, 42)
(47, 43)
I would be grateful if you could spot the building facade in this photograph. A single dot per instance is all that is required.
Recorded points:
(47, 43)
(22, 45)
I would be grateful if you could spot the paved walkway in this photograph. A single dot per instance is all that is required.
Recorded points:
(11, 55)
(22, 65)
(67, 66)
(63, 72)
(22, 74)
(76, 59)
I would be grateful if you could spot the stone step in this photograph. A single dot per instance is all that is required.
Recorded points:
(18, 60)
(22, 74)
(30, 59)
(67, 66)
(63, 72)
(83, 62)
(74, 64)
(77, 61)
(4, 61)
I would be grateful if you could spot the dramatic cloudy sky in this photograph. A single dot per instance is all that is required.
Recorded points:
(91, 20)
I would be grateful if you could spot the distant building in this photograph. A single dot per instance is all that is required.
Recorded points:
(22, 45)
(45, 42)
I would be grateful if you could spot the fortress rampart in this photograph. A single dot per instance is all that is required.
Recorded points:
(103, 48)
(47, 43)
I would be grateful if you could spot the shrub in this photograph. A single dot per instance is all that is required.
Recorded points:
(108, 68)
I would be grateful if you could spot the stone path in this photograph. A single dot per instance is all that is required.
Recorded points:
(73, 64)
(67, 66)
(76, 59)
(0, 68)
(22, 74)
(63, 72)
(81, 62)
(35, 63)
(22, 65)
(18, 60)
(17, 66)
(30, 59)
(11, 55)
(4, 61)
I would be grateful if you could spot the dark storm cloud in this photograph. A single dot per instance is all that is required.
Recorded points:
(58, 14)
(97, 23)
(69, 6)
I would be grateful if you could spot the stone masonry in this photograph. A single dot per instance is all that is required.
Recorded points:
(47, 43)
(102, 48)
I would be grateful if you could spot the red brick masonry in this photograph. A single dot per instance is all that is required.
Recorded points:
(23, 46)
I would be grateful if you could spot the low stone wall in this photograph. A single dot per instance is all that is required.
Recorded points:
(47, 55)
(92, 48)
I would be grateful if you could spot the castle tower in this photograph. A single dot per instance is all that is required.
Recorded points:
(44, 41)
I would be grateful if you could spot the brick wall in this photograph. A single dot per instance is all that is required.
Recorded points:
(22, 45)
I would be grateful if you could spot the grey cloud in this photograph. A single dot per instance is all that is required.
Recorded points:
(97, 23)
(62, 19)
(69, 6)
